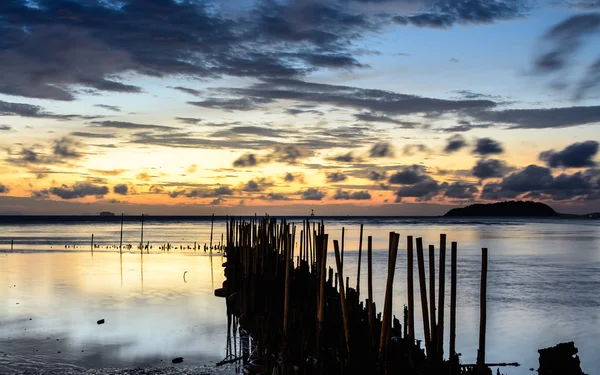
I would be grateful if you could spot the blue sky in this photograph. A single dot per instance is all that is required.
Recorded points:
(391, 106)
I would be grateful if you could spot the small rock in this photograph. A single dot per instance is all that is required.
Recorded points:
(177, 360)
(101, 321)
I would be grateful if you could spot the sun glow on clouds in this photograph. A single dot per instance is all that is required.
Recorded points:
(301, 105)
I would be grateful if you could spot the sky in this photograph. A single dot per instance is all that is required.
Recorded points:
(347, 107)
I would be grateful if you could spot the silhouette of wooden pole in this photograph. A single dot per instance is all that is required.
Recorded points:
(342, 256)
(12, 243)
(212, 221)
(387, 307)
(453, 301)
(92, 245)
(432, 301)
(482, 312)
(370, 278)
(360, 241)
(323, 270)
(338, 262)
(425, 309)
(121, 239)
(142, 239)
(410, 286)
(441, 292)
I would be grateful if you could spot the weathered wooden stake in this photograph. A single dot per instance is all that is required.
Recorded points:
(212, 222)
(410, 292)
(12, 243)
(342, 256)
(323, 270)
(370, 278)
(360, 241)
(432, 301)
(421, 264)
(482, 312)
(340, 275)
(142, 239)
(387, 308)
(453, 301)
(92, 246)
(121, 238)
(441, 292)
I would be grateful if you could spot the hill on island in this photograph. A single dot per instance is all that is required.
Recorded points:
(510, 208)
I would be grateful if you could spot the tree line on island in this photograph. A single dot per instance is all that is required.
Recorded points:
(513, 209)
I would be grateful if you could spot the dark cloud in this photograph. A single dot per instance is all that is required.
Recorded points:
(312, 194)
(344, 158)
(463, 126)
(130, 126)
(446, 13)
(336, 177)
(577, 155)
(66, 148)
(6, 128)
(276, 197)
(381, 150)
(409, 176)
(487, 146)
(203, 193)
(288, 177)
(32, 111)
(252, 187)
(454, 143)
(40, 194)
(79, 190)
(189, 120)
(356, 195)
(113, 108)
(288, 154)
(236, 131)
(377, 176)
(562, 42)
(92, 135)
(423, 191)
(246, 160)
(539, 181)
(4, 189)
(542, 118)
(461, 190)
(186, 90)
(121, 189)
(371, 117)
(411, 149)
(489, 168)
(232, 104)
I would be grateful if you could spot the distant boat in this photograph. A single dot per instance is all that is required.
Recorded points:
(312, 213)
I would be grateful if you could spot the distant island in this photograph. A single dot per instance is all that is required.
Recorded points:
(105, 213)
(510, 208)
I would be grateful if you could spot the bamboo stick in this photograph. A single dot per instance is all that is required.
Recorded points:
(142, 239)
(92, 245)
(370, 278)
(482, 312)
(453, 300)
(387, 308)
(421, 264)
(411, 296)
(343, 231)
(121, 238)
(441, 292)
(360, 241)
(323, 270)
(342, 295)
(212, 221)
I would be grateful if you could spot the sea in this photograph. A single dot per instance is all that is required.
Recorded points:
(543, 288)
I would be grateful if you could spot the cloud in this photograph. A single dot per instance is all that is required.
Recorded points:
(232, 104)
(381, 150)
(411, 149)
(446, 13)
(336, 177)
(113, 108)
(489, 168)
(40, 194)
(487, 146)
(312, 194)
(276, 197)
(4, 189)
(356, 195)
(461, 190)
(288, 177)
(189, 120)
(377, 176)
(61, 150)
(287, 154)
(454, 143)
(562, 42)
(92, 135)
(577, 155)
(32, 111)
(186, 90)
(252, 187)
(79, 190)
(536, 181)
(203, 193)
(424, 190)
(344, 158)
(5, 128)
(371, 117)
(66, 148)
(542, 118)
(409, 176)
(130, 125)
(246, 160)
(120, 189)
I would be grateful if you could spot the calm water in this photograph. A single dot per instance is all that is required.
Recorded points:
(543, 288)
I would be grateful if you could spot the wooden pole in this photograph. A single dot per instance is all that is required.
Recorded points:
(453, 301)
(212, 221)
(432, 301)
(370, 278)
(323, 270)
(92, 245)
(142, 239)
(288, 279)
(387, 307)
(360, 241)
(343, 232)
(12, 243)
(411, 295)
(482, 312)
(441, 292)
(421, 264)
(338, 263)
(121, 238)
